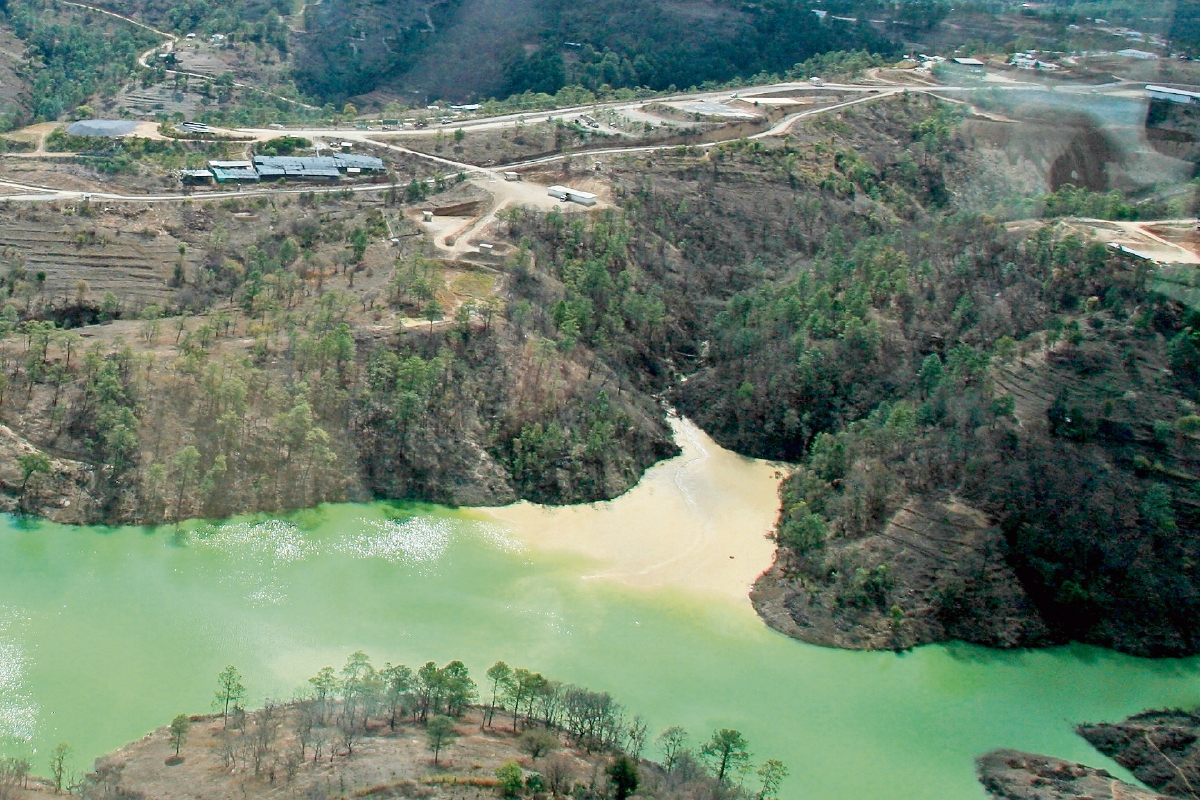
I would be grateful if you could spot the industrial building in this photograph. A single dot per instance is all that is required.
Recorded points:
(1173, 95)
(572, 195)
(305, 169)
(235, 171)
(269, 168)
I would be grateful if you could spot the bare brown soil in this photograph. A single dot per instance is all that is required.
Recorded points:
(504, 145)
(385, 764)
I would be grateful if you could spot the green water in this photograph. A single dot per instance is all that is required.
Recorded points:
(106, 634)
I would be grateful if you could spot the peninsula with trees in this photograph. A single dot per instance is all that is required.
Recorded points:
(394, 731)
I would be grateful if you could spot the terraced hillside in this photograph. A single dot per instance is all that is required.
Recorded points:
(124, 253)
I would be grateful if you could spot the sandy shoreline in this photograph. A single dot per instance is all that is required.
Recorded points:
(678, 527)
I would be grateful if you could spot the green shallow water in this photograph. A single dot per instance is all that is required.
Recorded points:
(108, 633)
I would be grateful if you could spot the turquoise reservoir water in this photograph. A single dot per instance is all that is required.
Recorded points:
(108, 633)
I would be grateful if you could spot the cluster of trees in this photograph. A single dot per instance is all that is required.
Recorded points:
(558, 438)
(341, 708)
(283, 146)
(95, 400)
(14, 776)
(590, 720)
(124, 155)
(78, 54)
(1074, 201)
(218, 434)
(848, 366)
(470, 411)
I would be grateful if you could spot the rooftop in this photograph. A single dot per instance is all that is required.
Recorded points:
(102, 127)
(1181, 93)
(1145, 55)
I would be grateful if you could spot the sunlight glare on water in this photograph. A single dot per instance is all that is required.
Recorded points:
(18, 716)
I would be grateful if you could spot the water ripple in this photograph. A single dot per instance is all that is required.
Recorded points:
(18, 712)
(273, 540)
(416, 541)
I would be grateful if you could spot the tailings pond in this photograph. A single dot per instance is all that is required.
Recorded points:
(106, 633)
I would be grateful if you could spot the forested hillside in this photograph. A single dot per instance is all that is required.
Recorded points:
(72, 56)
(996, 426)
(308, 387)
(477, 48)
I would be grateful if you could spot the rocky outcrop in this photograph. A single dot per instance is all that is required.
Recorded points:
(1159, 747)
(64, 494)
(1013, 775)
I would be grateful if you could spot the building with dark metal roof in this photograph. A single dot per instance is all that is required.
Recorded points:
(305, 168)
(317, 168)
(365, 163)
(225, 171)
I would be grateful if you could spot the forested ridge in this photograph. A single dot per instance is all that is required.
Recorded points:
(653, 45)
(995, 427)
(351, 48)
(414, 52)
(73, 58)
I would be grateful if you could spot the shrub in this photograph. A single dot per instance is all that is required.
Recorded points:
(511, 778)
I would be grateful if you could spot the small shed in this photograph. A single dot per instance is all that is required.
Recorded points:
(195, 175)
